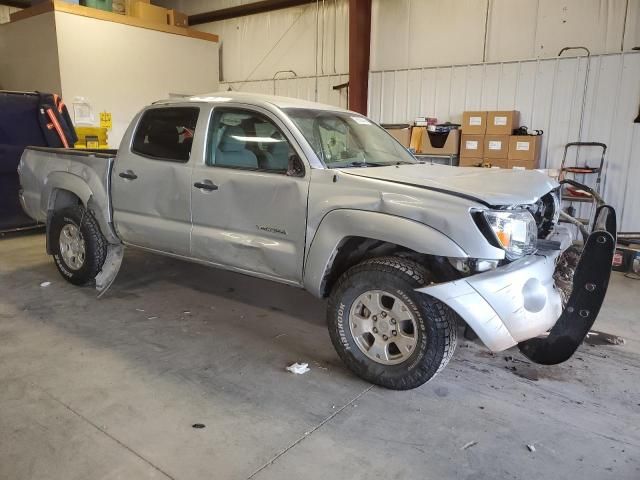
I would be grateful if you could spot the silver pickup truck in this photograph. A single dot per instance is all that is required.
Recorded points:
(324, 199)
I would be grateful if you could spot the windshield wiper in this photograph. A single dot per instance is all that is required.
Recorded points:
(366, 164)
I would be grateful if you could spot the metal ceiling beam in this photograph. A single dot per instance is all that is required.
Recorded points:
(243, 10)
(16, 3)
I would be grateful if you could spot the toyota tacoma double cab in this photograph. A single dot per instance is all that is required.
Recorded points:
(325, 199)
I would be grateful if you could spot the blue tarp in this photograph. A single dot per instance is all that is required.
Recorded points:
(19, 127)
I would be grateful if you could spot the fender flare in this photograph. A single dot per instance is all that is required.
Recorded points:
(68, 182)
(63, 181)
(340, 224)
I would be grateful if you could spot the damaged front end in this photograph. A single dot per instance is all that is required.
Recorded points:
(546, 302)
(585, 294)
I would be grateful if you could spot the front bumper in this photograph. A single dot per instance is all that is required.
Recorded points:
(517, 303)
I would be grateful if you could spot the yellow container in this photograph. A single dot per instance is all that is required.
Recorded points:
(91, 146)
(92, 137)
(99, 132)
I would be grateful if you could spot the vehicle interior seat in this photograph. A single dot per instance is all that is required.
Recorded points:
(277, 157)
(232, 150)
(163, 142)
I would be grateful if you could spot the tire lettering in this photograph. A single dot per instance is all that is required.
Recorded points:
(61, 265)
(341, 332)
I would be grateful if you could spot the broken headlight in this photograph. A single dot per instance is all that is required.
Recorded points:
(515, 231)
(546, 212)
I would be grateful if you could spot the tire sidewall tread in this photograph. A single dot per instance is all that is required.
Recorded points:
(95, 244)
(435, 322)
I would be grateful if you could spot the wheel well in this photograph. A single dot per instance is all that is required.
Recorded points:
(63, 199)
(353, 250)
(60, 199)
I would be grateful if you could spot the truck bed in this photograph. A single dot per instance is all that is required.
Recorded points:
(45, 172)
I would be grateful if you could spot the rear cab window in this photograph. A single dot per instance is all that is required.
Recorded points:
(166, 133)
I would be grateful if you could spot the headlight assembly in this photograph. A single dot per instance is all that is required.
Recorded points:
(515, 231)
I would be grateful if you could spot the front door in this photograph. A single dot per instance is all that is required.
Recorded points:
(249, 212)
(151, 182)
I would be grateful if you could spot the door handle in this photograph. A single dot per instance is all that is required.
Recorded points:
(207, 185)
(128, 174)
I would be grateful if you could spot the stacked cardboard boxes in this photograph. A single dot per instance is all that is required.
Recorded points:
(524, 151)
(474, 127)
(487, 141)
(485, 138)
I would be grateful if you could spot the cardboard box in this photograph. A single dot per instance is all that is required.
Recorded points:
(474, 123)
(150, 13)
(440, 143)
(502, 122)
(177, 18)
(496, 146)
(472, 146)
(495, 163)
(129, 6)
(470, 162)
(525, 147)
(523, 164)
(401, 132)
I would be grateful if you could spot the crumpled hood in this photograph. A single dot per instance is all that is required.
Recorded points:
(492, 186)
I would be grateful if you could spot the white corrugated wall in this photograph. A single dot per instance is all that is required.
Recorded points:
(299, 52)
(298, 87)
(549, 95)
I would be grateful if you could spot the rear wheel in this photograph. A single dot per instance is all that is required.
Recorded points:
(79, 248)
(384, 330)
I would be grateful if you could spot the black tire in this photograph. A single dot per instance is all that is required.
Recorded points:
(94, 241)
(436, 323)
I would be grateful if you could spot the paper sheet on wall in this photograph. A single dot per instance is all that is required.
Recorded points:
(82, 112)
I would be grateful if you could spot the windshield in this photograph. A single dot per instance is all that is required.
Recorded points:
(344, 139)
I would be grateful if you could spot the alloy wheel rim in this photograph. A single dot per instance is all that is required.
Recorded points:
(72, 246)
(383, 327)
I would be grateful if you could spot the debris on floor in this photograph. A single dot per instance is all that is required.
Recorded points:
(198, 425)
(298, 368)
(602, 338)
(469, 445)
(45, 284)
(531, 448)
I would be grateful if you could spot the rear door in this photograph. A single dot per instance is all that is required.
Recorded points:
(151, 182)
(249, 212)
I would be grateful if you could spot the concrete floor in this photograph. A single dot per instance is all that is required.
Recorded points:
(110, 388)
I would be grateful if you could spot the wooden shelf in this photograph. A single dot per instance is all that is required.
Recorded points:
(60, 6)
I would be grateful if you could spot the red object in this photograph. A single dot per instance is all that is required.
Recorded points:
(359, 46)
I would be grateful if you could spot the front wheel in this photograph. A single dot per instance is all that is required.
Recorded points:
(79, 248)
(386, 332)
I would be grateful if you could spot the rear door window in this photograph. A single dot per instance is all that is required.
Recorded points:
(247, 140)
(166, 133)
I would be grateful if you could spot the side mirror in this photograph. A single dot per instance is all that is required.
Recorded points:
(295, 168)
